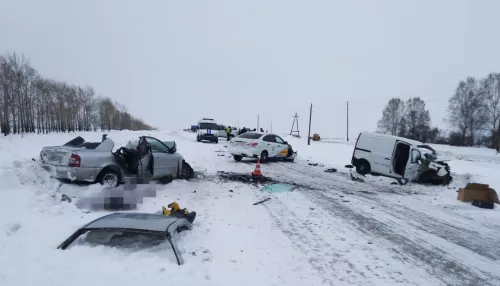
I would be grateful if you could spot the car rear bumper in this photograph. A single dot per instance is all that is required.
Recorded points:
(243, 152)
(72, 173)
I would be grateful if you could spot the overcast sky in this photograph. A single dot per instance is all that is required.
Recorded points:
(173, 62)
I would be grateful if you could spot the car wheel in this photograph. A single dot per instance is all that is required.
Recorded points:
(289, 160)
(363, 167)
(186, 171)
(264, 156)
(109, 178)
(216, 141)
(198, 139)
(237, 157)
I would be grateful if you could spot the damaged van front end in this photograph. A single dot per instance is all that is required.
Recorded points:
(433, 170)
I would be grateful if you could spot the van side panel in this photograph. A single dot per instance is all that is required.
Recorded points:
(377, 150)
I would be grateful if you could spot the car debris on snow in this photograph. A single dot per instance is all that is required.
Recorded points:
(260, 202)
(244, 178)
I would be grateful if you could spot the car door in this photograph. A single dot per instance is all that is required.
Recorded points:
(144, 157)
(270, 145)
(163, 162)
(413, 166)
(222, 131)
(281, 147)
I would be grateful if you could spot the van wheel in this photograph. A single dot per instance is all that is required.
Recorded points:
(363, 167)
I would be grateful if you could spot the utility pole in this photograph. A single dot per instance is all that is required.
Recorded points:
(310, 117)
(271, 127)
(295, 121)
(258, 123)
(347, 130)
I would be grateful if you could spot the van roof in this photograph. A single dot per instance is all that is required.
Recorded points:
(410, 141)
(207, 120)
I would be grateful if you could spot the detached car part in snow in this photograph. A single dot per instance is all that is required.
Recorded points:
(146, 157)
(125, 229)
(399, 158)
(265, 146)
(176, 211)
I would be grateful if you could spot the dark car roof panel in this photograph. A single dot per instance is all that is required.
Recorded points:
(139, 221)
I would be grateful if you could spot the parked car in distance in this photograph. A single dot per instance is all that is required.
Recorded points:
(130, 229)
(396, 157)
(266, 146)
(208, 130)
(222, 131)
(145, 157)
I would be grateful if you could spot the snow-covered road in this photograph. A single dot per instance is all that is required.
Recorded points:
(329, 231)
(364, 233)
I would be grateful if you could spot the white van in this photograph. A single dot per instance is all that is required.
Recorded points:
(395, 157)
(208, 129)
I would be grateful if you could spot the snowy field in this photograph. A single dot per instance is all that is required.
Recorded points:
(331, 231)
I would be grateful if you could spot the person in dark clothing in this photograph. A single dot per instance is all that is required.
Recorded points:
(228, 133)
(255, 129)
(243, 130)
(262, 130)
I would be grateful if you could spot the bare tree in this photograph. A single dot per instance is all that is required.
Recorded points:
(490, 90)
(32, 103)
(418, 120)
(468, 111)
(392, 116)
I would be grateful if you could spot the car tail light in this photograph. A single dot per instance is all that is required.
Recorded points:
(74, 160)
(253, 144)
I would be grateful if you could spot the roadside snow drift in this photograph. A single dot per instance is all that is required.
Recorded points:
(328, 231)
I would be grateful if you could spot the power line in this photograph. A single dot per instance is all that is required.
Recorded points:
(382, 105)
(419, 93)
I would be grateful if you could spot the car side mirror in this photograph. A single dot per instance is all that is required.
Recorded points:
(286, 142)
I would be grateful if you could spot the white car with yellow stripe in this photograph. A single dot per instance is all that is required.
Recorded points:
(265, 146)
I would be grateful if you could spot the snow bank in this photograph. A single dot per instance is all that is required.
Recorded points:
(231, 242)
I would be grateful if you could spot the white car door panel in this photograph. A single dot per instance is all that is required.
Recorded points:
(270, 145)
(282, 148)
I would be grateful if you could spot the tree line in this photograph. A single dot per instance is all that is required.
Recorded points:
(31, 103)
(473, 115)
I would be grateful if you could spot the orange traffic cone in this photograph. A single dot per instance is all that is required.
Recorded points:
(257, 172)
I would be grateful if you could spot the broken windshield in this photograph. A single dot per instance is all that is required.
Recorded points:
(207, 125)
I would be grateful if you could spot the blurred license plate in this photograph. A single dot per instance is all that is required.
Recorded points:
(55, 158)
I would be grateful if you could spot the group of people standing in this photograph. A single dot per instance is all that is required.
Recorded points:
(241, 131)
